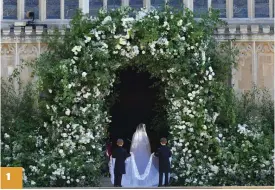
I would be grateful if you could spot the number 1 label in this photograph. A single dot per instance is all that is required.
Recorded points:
(8, 176)
(11, 178)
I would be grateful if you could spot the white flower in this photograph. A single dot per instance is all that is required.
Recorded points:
(210, 69)
(179, 23)
(6, 135)
(87, 39)
(32, 182)
(122, 41)
(215, 116)
(87, 95)
(165, 24)
(118, 46)
(76, 49)
(68, 112)
(197, 151)
(106, 20)
(50, 91)
(184, 29)
(84, 74)
(215, 169)
(220, 135)
(77, 180)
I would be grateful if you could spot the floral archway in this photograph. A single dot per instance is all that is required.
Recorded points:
(78, 73)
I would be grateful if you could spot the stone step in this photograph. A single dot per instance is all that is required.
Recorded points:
(106, 182)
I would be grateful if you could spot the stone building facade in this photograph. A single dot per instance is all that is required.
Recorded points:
(250, 23)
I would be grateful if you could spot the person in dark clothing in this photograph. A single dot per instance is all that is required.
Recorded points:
(164, 154)
(120, 154)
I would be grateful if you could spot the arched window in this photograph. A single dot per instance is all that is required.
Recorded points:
(261, 8)
(176, 3)
(240, 8)
(32, 5)
(221, 6)
(113, 4)
(200, 7)
(70, 8)
(94, 6)
(10, 9)
(136, 4)
(157, 4)
(53, 9)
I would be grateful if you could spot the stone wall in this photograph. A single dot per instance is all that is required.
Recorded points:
(255, 66)
(255, 59)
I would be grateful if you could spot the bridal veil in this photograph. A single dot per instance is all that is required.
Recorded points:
(142, 166)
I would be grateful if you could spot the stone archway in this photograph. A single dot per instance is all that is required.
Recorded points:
(137, 100)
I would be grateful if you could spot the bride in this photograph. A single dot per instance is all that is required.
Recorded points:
(142, 167)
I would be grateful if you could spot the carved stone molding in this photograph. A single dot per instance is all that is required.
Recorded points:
(28, 49)
(245, 49)
(242, 76)
(8, 59)
(7, 49)
(265, 47)
(235, 31)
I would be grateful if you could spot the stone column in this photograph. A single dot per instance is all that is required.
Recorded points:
(229, 9)
(188, 4)
(84, 6)
(20, 9)
(62, 11)
(125, 2)
(42, 10)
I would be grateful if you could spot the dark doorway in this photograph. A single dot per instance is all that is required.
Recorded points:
(137, 98)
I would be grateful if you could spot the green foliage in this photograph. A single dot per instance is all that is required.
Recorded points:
(76, 76)
(20, 124)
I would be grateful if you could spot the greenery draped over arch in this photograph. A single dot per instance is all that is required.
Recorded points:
(78, 71)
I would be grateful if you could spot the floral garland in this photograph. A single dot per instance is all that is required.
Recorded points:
(170, 49)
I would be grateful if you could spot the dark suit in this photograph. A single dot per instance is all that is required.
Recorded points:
(164, 153)
(120, 154)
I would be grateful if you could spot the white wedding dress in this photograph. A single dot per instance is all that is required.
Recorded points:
(142, 166)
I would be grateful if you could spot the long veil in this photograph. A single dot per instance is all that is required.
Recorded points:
(141, 170)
